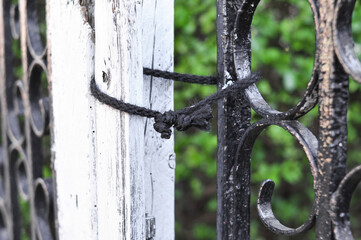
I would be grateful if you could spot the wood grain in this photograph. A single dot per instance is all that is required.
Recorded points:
(111, 168)
(71, 51)
(158, 38)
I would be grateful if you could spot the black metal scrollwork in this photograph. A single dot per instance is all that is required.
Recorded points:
(241, 32)
(308, 141)
(309, 144)
(26, 181)
(334, 59)
(342, 37)
(340, 204)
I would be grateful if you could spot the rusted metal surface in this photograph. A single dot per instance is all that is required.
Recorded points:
(26, 192)
(334, 61)
(333, 97)
(234, 116)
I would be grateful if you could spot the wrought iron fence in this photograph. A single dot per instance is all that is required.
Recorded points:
(335, 60)
(26, 189)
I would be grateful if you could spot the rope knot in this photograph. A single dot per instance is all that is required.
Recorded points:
(182, 121)
(197, 115)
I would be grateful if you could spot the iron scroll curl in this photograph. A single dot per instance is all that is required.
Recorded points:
(340, 204)
(241, 44)
(242, 47)
(26, 113)
(343, 41)
(343, 47)
(309, 144)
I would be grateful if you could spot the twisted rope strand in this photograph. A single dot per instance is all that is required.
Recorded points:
(197, 115)
(188, 78)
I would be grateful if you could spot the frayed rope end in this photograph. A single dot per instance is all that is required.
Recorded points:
(199, 119)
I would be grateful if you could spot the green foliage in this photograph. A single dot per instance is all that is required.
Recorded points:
(283, 46)
(204, 232)
(25, 220)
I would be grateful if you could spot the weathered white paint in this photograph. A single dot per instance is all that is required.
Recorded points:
(119, 138)
(111, 168)
(71, 54)
(158, 37)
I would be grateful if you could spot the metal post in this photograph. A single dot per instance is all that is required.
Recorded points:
(234, 117)
(333, 98)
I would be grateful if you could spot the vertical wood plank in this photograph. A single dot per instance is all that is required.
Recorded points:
(158, 38)
(119, 136)
(104, 160)
(71, 52)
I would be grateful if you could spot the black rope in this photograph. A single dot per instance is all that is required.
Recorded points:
(197, 115)
(188, 78)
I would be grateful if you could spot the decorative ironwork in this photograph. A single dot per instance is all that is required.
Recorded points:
(26, 189)
(335, 59)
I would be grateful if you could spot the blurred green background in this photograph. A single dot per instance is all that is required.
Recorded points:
(283, 45)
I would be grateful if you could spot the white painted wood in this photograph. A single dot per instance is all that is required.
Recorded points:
(119, 137)
(71, 53)
(158, 51)
(111, 168)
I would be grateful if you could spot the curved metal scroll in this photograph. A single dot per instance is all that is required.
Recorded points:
(344, 44)
(25, 115)
(340, 204)
(241, 32)
(334, 57)
(4, 223)
(44, 208)
(309, 144)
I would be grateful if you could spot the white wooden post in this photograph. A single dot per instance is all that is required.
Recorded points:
(71, 55)
(119, 138)
(160, 163)
(111, 168)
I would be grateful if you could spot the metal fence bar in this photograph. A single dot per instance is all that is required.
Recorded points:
(234, 115)
(26, 168)
(333, 101)
(8, 208)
